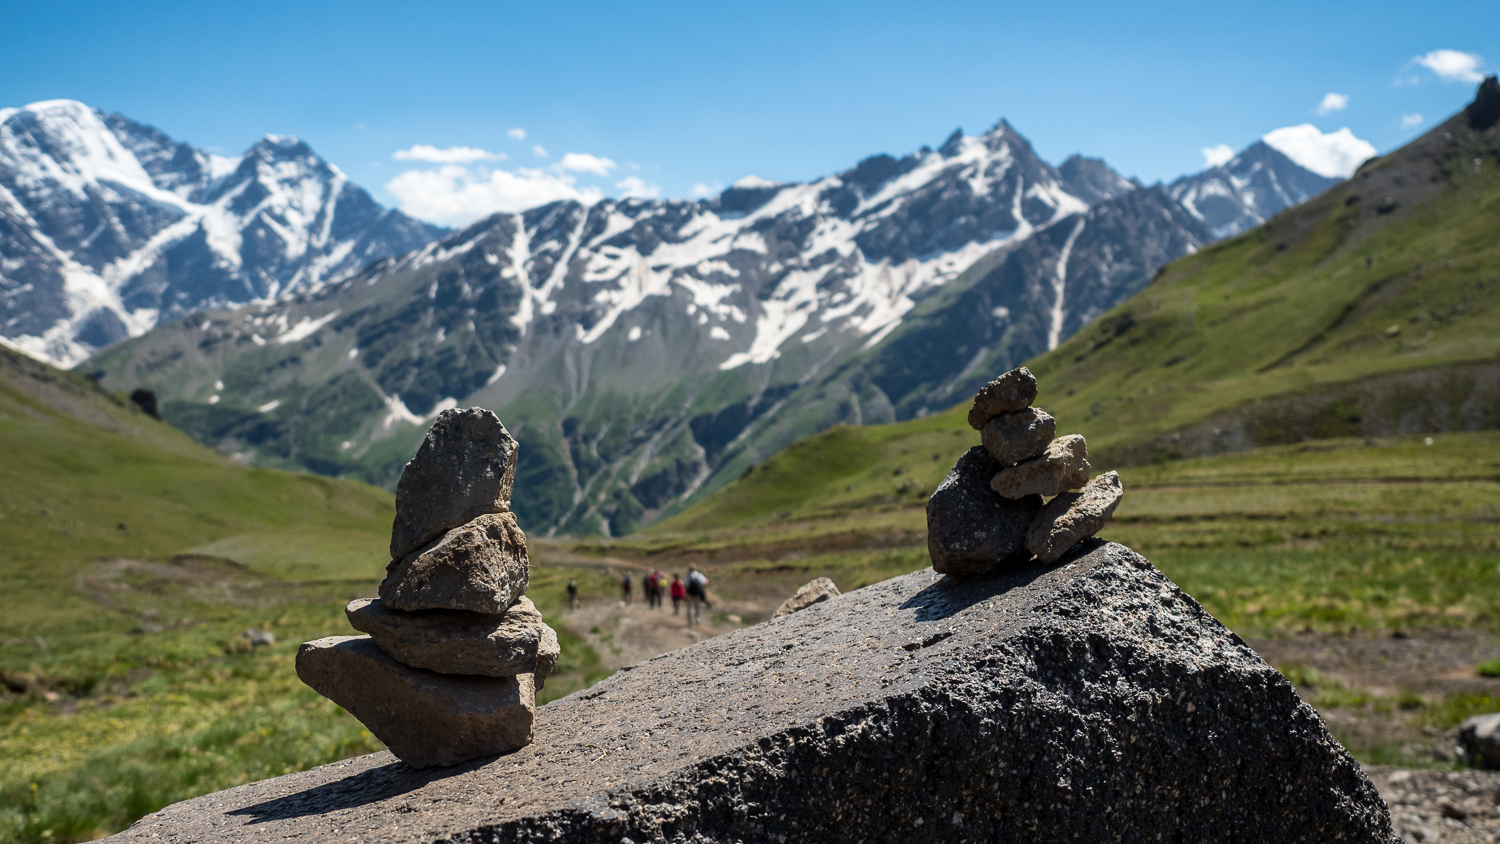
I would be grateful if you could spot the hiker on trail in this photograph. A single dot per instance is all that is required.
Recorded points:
(653, 589)
(697, 590)
(679, 592)
(572, 593)
(627, 586)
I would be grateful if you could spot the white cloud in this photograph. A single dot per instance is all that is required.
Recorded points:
(701, 190)
(516, 134)
(539, 151)
(754, 182)
(1452, 65)
(455, 196)
(1217, 154)
(1335, 154)
(582, 162)
(1409, 121)
(1333, 102)
(446, 155)
(634, 187)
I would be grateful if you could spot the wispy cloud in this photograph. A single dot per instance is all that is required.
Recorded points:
(582, 162)
(1332, 154)
(539, 151)
(1333, 102)
(447, 155)
(1217, 154)
(634, 187)
(1453, 65)
(516, 134)
(702, 190)
(1409, 121)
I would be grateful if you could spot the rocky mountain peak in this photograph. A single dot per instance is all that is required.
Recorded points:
(1484, 112)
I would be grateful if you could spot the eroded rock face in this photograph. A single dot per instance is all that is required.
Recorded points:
(1074, 516)
(1090, 701)
(970, 528)
(515, 642)
(1013, 391)
(812, 592)
(464, 468)
(1063, 466)
(479, 567)
(1013, 437)
(425, 718)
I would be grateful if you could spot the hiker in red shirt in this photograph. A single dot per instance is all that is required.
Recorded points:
(678, 590)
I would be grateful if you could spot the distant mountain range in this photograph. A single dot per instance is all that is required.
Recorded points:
(645, 352)
(108, 227)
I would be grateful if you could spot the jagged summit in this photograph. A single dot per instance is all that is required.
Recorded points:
(1484, 112)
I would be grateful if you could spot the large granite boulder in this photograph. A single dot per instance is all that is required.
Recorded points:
(1089, 701)
(971, 529)
(464, 468)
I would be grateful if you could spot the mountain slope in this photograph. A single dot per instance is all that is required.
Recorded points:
(647, 351)
(108, 226)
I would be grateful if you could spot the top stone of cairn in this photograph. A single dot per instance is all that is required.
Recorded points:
(464, 469)
(1011, 392)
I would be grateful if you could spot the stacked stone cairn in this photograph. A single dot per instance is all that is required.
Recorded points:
(454, 652)
(990, 512)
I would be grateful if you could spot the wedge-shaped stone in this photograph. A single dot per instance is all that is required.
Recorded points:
(464, 468)
(1063, 466)
(1013, 391)
(479, 567)
(1074, 516)
(424, 717)
(1013, 437)
(450, 642)
(814, 591)
(1092, 702)
(970, 528)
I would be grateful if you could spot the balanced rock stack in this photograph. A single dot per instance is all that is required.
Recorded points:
(990, 510)
(454, 652)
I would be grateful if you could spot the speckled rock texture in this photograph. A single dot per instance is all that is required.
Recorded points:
(478, 567)
(425, 718)
(514, 642)
(1013, 437)
(1090, 701)
(1074, 516)
(1013, 391)
(464, 468)
(1063, 466)
(970, 528)
(815, 591)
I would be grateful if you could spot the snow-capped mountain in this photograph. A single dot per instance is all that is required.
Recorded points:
(1247, 190)
(644, 351)
(108, 227)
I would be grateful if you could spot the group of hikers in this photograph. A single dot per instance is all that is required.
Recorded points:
(689, 595)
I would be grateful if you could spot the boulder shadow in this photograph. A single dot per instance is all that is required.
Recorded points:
(952, 595)
(351, 792)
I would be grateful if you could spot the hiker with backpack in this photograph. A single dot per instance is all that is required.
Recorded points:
(697, 592)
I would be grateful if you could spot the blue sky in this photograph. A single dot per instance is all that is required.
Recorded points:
(666, 98)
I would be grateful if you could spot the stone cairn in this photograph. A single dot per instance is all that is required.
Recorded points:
(454, 653)
(989, 512)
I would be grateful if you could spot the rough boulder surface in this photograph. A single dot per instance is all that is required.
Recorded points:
(1074, 516)
(514, 642)
(812, 592)
(1013, 437)
(478, 567)
(1091, 701)
(464, 468)
(424, 717)
(1013, 391)
(1063, 466)
(970, 528)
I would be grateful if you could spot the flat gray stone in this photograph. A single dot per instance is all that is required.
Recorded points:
(970, 528)
(1063, 466)
(1013, 437)
(451, 642)
(1074, 516)
(1479, 739)
(479, 567)
(1087, 702)
(464, 468)
(814, 591)
(425, 718)
(1013, 391)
